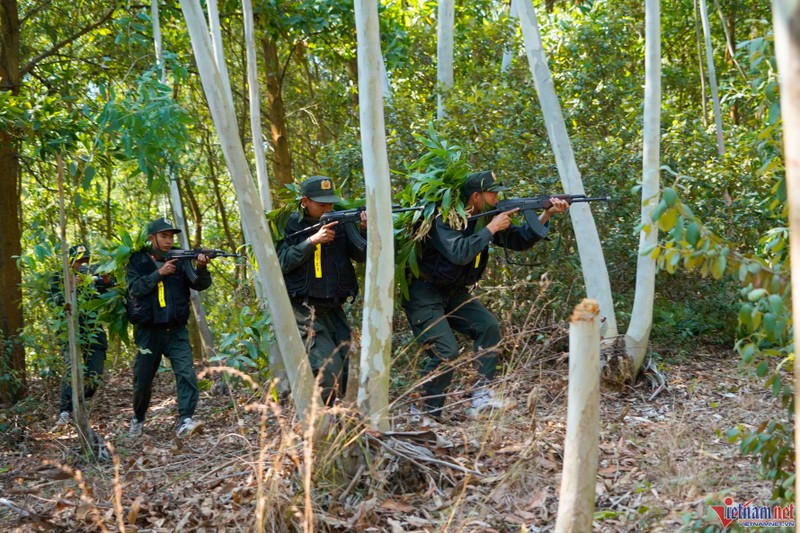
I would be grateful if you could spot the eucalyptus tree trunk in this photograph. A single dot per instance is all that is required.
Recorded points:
(638, 334)
(204, 331)
(712, 77)
(444, 52)
(576, 499)
(593, 264)
(71, 311)
(508, 53)
(786, 18)
(700, 67)
(12, 354)
(376, 329)
(262, 176)
(269, 273)
(275, 359)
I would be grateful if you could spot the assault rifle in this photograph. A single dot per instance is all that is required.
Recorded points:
(192, 254)
(182, 255)
(528, 207)
(350, 219)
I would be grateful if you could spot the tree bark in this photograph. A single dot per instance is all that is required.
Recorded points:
(576, 500)
(12, 354)
(79, 415)
(376, 329)
(712, 78)
(638, 334)
(444, 52)
(786, 19)
(255, 107)
(593, 264)
(269, 273)
(282, 158)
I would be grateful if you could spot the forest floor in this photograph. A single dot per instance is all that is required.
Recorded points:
(662, 460)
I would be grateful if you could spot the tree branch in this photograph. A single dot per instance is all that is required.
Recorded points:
(55, 49)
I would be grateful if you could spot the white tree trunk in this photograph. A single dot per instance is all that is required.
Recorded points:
(712, 77)
(206, 339)
(269, 271)
(638, 334)
(255, 107)
(376, 329)
(595, 272)
(508, 53)
(786, 19)
(576, 500)
(444, 52)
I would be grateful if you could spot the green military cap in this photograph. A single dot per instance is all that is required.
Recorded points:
(320, 189)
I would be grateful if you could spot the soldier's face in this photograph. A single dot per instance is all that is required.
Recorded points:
(162, 240)
(480, 201)
(315, 209)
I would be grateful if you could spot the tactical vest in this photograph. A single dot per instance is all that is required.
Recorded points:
(440, 271)
(329, 274)
(168, 304)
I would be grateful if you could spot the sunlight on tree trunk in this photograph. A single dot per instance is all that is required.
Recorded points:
(269, 273)
(576, 500)
(444, 52)
(712, 77)
(786, 14)
(79, 415)
(638, 334)
(593, 264)
(376, 329)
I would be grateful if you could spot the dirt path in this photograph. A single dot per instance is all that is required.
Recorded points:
(660, 461)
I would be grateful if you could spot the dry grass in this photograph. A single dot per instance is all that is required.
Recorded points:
(253, 468)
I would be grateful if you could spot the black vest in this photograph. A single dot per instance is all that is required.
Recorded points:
(164, 307)
(329, 274)
(440, 271)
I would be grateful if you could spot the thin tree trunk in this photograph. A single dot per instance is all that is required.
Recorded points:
(376, 329)
(786, 19)
(222, 112)
(593, 264)
(12, 354)
(508, 52)
(282, 159)
(700, 68)
(71, 311)
(255, 107)
(444, 52)
(638, 334)
(712, 77)
(576, 499)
